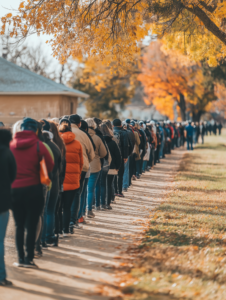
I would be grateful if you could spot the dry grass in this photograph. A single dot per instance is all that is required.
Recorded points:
(183, 253)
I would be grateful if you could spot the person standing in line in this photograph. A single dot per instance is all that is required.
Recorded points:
(88, 156)
(27, 190)
(219, 128)
(189, 135)
(95, 165)
(114, 165)
(197, 132)
(202, 131)
(50, 237)
(60, 143)
(123, 142)
(7, 176)
(74, 165)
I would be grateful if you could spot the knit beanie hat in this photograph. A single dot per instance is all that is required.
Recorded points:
(29, 124)
(128, 121)
(75, 119)
(66, 121)
(117, 122)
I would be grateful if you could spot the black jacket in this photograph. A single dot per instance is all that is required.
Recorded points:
(7, 170)
(115, 153)
(124, 143)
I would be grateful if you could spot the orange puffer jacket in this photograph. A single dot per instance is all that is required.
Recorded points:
(74, 161)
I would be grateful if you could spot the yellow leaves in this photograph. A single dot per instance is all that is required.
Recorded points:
(9, 15)
(21, 5)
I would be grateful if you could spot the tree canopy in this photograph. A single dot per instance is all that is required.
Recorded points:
(112, 30)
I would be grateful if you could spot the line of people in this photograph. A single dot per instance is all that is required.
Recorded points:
(89, 163)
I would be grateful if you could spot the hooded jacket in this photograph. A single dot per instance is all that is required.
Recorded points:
(87, 147)
(74, 161)
(7, 170)
(24, 147)
(100, 152)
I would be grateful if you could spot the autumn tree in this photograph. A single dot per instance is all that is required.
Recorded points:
(113, 30)
(170, 77)
(107, 96)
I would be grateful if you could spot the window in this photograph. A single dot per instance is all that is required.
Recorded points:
(71, 108)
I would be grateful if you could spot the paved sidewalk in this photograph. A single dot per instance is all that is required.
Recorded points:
(87, 259)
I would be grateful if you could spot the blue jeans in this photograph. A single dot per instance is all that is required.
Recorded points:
(51, 208)
(44, 226)
(125, 183)
(4, 218)
(91, 188)
(83, 200)
(145, 162)
(189, 142)
(101, 187)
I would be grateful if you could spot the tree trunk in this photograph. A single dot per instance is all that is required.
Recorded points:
(182, 106)
(196, 116)
(208, 23)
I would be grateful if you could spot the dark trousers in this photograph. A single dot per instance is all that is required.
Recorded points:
(77, 199)
(110, 191)
(67, 199)
(58, 215)
(27, 206)
(119, 180)
(189, 142)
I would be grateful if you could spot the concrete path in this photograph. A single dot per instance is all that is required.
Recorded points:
(85, 262)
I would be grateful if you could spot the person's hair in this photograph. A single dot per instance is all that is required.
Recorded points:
(64, 127)
(105, 130)
(109, 124)
(91, 123)
(17, 127)
(56, 137)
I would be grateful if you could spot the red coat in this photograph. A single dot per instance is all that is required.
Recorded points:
(24, 149)
(74, 161)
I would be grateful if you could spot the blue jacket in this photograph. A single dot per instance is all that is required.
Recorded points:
(189, 130)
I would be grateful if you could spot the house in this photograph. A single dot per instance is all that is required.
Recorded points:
(27, 94)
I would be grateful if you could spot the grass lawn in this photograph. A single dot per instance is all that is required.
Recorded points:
(183, 253)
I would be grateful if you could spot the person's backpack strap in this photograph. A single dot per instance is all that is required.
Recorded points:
(38, 150)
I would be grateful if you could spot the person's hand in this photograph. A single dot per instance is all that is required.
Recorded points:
(117, 170)
(125, 160)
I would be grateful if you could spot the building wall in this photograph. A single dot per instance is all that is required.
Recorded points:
(16, 107)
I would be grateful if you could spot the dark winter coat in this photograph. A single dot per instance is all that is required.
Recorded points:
(7, 170)
(115, 153)
(124, 143)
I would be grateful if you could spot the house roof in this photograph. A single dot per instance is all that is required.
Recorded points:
(17, 80)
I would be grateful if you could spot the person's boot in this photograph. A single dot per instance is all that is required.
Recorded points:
(20, 263)
(5, 282)
(30, 264)
(90, 214)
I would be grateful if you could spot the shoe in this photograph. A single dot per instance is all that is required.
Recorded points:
(134, 177)
(30, 264)
(138, 176)
(108, 207)
(121, 195)
(125, 190)
(90, 214)
(116, 195)
(65, 234)
(44, 245)
(97, 208)
(81, 220)
(113, 202)
(38, 254)
(5, 282)
(71, 229)
(19, 264)
(60, 235)
(103, 207)
(77, 226)
(53, 241)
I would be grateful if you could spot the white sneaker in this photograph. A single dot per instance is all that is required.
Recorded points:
(65, 234)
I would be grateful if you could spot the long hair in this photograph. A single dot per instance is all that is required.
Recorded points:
(108, 123)
(57, 138)
(105, 130)
(17, 127)
(64, 127)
